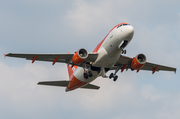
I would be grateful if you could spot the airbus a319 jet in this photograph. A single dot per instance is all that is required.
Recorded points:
(84, 67)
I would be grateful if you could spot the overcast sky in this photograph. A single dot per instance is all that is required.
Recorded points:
(57, 26)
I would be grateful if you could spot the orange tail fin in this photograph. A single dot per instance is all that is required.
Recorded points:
(71, 69)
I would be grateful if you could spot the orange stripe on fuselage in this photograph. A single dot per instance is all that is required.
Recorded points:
(75, 83)
(99, 45)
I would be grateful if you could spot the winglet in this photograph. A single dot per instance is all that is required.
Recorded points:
(175, 71)
(4, 56)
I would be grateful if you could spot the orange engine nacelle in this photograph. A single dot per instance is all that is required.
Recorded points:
(138, 62)
(80, 56)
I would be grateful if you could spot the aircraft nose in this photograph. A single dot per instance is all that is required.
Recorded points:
(130, 30)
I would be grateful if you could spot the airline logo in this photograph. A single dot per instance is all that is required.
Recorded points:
(74, 68)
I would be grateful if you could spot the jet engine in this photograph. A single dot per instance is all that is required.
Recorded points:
(80, 56)
(138, 62)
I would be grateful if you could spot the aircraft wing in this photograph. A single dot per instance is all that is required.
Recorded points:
(151, 67)
(62, 58)
(66, 83)
(148, 66)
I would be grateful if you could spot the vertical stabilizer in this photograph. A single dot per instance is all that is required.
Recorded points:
(71, 70)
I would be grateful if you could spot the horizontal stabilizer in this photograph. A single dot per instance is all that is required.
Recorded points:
(55, 83)
(66, 83)
(90, 86)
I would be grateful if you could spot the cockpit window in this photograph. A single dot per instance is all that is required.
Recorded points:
(122, 25)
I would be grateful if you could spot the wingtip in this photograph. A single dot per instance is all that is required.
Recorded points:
(5, 56)
(175, 71)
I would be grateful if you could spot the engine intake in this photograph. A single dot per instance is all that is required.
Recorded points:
(138, 62)
(80, 56)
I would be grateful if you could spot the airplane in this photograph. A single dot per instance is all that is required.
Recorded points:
(84, 67)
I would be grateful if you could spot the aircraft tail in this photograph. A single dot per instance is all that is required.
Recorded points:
(71, 70)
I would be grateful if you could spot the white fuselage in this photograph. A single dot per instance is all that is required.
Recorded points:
(109, 51)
